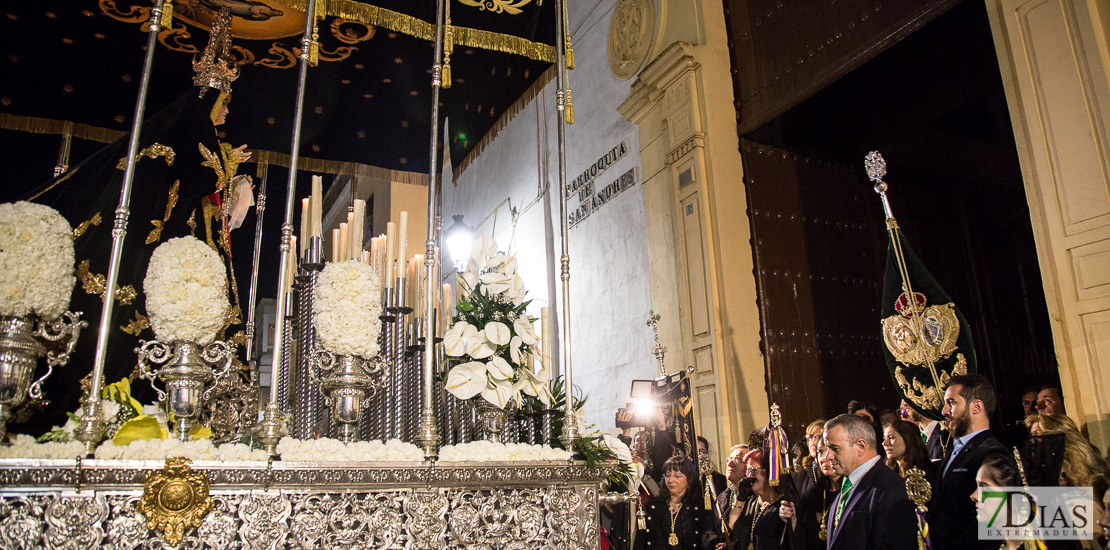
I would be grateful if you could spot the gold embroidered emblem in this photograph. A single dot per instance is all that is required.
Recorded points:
(175, 499)
(125, 294)
(212, 160)
(136, 326)
(934, 337)
(156, 233)
(84, 226)
(95, 283)
(511, 7)
(238, 339)
(154, 151)
(92, 283)
(192, 223)
(210, 211)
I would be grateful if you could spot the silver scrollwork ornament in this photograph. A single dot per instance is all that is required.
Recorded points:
(190, 373)
(22, 341)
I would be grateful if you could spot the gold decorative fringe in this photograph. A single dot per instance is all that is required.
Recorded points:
(504, 120)
(446, 73)
(407, 24)
(570, 57)
(340, 168)
(36, 125)
(570, 109)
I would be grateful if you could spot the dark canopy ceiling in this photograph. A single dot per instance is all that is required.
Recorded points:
(368, 101)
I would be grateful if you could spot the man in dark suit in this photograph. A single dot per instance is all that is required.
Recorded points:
(933, 435)
(872, 511)
(969, 401)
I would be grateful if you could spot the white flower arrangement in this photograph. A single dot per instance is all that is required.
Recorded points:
(488, 451)
(186, 291)
(333, 450)
(24, 446)
(348, 303)
(36, 258)
(161, 449)
(491, 338)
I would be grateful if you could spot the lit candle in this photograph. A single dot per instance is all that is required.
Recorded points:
(358, 221)
(306, 223)
(344, 254)
(317, 203)
(545, 338)
(390, 238)
(402, 237)
(335, 247)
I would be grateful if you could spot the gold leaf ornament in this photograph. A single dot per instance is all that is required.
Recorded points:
(511, 7)
(175, 499)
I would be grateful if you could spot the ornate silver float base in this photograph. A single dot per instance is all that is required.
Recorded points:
(309, 505)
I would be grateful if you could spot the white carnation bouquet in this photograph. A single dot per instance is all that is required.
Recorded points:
(333, 450)
(491, 338)
(489, 451)
(347, 306)
(36, 258)
(186, 291)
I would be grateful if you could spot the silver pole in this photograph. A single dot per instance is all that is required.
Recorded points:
(273, 422)
(570, 426)
(63, 150)
(91, 428)
(259, 210)
(428, 437)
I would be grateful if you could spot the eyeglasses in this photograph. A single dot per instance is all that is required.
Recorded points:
(1026, 402)
(811, 437)
(750, 472)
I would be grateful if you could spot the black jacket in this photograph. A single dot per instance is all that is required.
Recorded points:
(952, 518)
(878, 515)
(694, 526)
(816, 496)
(933, 446)
(768, 528)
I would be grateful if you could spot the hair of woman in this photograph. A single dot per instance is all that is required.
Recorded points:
(1081, 462)
(916, 456)
(684, 466)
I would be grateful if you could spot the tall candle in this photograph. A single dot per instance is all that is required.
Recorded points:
(446, 306)
(402, 237)
(358, 222)
(366, 257)
(291, 266)
(344, 254)
(545, 338)
(418, 291)
(390, 239)
(306, 223)
(374, 252)
(317, 204)
(335, 248)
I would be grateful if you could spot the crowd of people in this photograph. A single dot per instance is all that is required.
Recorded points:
(849, 484)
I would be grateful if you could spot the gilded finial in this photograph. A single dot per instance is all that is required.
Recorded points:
(776, 416)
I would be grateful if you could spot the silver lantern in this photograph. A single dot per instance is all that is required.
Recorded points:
(346, 382)
(21, 345)
(190, 373)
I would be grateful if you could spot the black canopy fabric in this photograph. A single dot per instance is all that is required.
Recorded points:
(368, 101)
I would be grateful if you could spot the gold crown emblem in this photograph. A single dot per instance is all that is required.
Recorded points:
(216, 67)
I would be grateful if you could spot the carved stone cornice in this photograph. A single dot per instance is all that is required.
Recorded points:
(649, 88)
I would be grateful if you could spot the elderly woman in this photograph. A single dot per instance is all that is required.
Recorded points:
(753, 518)
(676, 519)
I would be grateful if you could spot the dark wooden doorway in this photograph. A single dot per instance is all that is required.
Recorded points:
(934, 105)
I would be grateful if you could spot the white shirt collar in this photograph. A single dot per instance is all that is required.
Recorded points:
(861, 470)
(928, 430)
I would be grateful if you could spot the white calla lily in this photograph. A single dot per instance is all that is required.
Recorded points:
(499, 368)
(497, 333)
(467, 380)
(469, 280)
(514, 350)
(523, 328)
(618, 447)
(483, 248)
(478, 348)
(509, 268)
(536, 385)
(497, 260)
(499, 393)
(495, 283)
(454, 340)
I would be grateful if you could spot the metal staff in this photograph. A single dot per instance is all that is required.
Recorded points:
(428, 435)
(570, 426)
(90, 429)
(273, 421)
(259, 209)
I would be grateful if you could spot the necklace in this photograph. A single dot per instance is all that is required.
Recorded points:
(673, 539)
(755, 520)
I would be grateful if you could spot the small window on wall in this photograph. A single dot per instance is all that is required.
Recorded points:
(686, 177)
